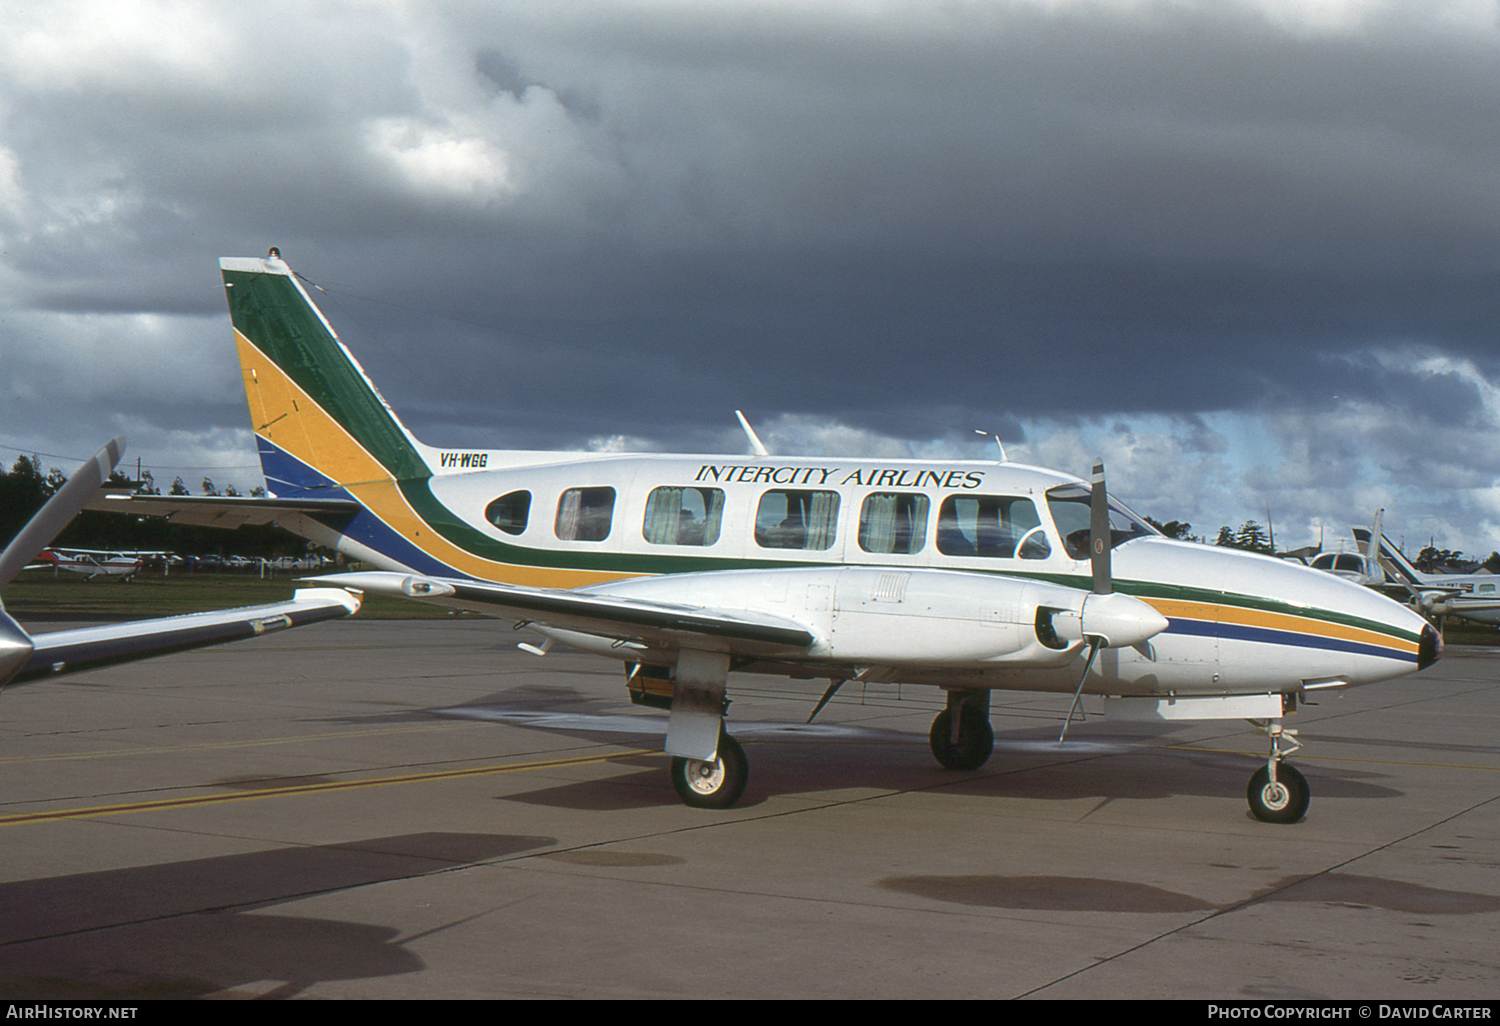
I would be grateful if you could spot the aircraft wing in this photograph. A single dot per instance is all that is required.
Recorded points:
(220, 510)
(624, 619)
(32, 657)
(1457, 604)
(25, 657)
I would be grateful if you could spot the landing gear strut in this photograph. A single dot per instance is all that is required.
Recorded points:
(1278, 792)
(709, 769)
(961, 736)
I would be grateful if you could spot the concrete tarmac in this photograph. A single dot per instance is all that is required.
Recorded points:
(373, 809)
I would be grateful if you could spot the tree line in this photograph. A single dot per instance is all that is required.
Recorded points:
(1252, 537)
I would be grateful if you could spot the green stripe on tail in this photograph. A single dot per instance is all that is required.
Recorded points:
(273, 312)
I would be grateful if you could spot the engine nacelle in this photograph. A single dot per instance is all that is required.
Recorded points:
(917, 616)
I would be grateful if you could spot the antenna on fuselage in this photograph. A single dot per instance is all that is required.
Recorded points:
(998, 444)
(756, 445)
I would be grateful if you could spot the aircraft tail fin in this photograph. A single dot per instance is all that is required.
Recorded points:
(1374, 569)
(320, 424)
(1386, 556)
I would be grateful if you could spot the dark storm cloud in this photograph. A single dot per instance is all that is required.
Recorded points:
(554, 224)
(1124, 203)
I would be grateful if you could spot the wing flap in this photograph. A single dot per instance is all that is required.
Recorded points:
(609, 616)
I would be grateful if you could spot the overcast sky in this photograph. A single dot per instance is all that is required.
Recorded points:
(1247, 250)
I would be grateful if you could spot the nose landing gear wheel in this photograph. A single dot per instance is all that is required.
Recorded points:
(715, 784)
(1282, 801)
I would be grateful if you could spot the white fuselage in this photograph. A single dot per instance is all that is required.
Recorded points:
(920, 596)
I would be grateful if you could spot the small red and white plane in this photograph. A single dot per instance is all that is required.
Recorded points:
(90, 562)
(968, 576)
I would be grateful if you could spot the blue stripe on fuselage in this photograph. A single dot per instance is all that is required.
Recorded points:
(1272, 636)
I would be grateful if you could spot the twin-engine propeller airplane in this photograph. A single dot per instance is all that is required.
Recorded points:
(28, 657)
(968, 576)
(1436, 596)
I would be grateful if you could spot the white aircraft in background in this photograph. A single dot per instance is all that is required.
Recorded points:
(1356, 566)
(968, 576)
(26, 657)
(1471, 596)
(91, 562)
(1349, 565)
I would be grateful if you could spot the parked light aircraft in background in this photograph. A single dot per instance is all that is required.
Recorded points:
(968, 576)
(1350, 565)
(1471, 596)
(91, 562)
(1358, 566)
(26, 657)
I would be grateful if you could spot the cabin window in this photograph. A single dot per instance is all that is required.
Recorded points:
(797, 519)
(893, 522)
(683, 516)
(992, 526)
(1070, 504)
(510, 512)
(584, 514)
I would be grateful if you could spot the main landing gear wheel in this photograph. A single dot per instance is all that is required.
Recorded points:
(1283, 800)
(715, 784)
(976, 739)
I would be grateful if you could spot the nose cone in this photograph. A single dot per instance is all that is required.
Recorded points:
(1430, 649)
(1294, 621)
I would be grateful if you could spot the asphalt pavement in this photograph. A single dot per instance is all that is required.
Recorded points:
(414, 809)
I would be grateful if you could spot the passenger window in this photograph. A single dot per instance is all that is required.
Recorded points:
(893, 522)
(797, 519)
(584, 514)
(992, 526)
(510, 512)
(683, 516)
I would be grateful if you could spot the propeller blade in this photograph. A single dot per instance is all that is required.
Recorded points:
(1103, 584)
(1095, 644)
(59, 510)
(1099, 540)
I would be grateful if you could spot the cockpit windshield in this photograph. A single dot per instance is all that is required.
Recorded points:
(1069, 505)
